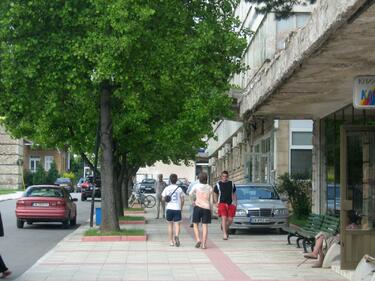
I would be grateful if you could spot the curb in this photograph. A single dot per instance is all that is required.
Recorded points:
(113, 238)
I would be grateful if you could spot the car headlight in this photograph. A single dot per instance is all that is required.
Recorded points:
(241, 213)
(280, 212)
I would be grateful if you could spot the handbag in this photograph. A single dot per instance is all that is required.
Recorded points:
(168, 198)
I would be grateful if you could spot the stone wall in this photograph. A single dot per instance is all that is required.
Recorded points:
(11, 150)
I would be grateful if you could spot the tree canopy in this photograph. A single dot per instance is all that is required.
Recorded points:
(165, 65)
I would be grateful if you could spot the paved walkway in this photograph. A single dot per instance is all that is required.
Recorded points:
(251, 256)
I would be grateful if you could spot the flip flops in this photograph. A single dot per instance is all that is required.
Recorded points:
(198, 245)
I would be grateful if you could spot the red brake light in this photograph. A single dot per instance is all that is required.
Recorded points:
(20, 203)
(60, 203)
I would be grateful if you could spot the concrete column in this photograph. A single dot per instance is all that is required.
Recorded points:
(318, 201)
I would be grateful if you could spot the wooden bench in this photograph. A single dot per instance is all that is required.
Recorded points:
(314, 224)
(330, 226)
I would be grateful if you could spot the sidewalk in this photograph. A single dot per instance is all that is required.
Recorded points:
(10, 196)
(252, 256)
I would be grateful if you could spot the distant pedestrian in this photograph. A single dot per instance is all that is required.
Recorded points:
(3, 268)
(159, 187)
(226, 199)
(174, 196)
(202, 210)
(192, 201)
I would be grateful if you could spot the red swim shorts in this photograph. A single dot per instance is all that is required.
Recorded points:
(226, 210)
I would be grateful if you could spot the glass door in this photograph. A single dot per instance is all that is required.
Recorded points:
(357, 177)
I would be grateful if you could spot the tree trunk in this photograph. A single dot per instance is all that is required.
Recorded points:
(109, 216)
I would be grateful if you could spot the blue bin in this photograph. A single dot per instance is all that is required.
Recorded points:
(98, 216)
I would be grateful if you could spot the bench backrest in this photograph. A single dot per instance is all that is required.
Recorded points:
(330, 225)
(313, 223)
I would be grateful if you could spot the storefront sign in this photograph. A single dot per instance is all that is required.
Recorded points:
(364, 92)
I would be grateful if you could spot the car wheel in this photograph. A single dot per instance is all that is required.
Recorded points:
(20, 223)
(29, 222)
(73, 221)
(83, 198)
(65, 223)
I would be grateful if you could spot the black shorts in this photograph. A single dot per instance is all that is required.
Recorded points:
(173, 215)
(201, 215)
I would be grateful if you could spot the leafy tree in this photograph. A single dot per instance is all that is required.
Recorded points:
(282, 8)
(52, 174)
(157, 70)
(39, 176)
(298, 192)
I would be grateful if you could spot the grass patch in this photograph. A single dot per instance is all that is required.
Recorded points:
(7, 191)
(123, 232)
(133, 209)
(297, 221)
(131, 218)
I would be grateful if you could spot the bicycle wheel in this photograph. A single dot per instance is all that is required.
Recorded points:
(149, 201)
(131, 200)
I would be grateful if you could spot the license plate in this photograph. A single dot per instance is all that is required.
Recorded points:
(40, 204)
(259, 220)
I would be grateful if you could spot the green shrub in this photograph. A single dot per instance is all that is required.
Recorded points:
(52, 174)
(298, 192)
(40, 176)
(28, 178)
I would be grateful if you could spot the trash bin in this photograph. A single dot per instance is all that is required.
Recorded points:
(98, 216)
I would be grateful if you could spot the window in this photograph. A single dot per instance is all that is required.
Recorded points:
(301, 162)
(34, 161)
(301, 138)
(48, 160)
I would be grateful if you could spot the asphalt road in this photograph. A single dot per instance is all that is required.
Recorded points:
(21, 248)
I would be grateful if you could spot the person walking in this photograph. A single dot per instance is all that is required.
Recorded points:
(159, 187)
(174, 196)
(192, 200)
(226, 199)
(203, 194)
(3, 268)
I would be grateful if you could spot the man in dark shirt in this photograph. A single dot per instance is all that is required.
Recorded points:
(226, 199)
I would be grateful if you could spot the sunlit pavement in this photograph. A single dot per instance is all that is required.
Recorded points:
(245, 256)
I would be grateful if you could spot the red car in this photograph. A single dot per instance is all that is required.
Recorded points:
(46, 203)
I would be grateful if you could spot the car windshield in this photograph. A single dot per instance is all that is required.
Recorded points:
(148, 181)
(256, 192)
(62, 180)
(44, 192)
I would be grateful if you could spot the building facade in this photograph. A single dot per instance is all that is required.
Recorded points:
(326, 73)
(19, 155)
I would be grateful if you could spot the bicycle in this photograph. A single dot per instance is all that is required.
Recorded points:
(138, 197)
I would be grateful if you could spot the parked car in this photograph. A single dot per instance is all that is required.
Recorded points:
(46, 203)
(258, 206)
(147, 185)
(79, 184)
(183, 183)
(66, 183)
(88, 186)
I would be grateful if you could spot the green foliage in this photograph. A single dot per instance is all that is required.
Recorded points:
(28, 178)
(282, 8)
(298, 192)
(40, 176)
(168, 64)
(52, 174)
(76, 166)
(69, 175)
